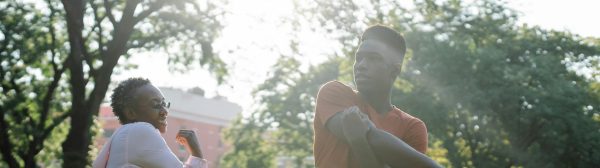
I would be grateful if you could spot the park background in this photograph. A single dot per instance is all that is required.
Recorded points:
(498, 83)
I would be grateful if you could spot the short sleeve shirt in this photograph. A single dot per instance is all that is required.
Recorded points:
(334, 97)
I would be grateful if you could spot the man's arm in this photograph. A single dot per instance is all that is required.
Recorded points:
(350, 129)
(384, 146)
(395, 152)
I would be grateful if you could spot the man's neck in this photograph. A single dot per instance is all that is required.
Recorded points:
(380, 101)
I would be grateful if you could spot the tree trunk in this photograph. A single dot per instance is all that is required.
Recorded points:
(76, 145)
(6, 145)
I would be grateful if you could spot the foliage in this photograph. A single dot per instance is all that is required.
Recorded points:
(251, 148)
(33, 92)
(83, 41)
(492, 93)
(505, 90)
(287, 103)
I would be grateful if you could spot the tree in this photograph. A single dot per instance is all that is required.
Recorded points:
(31, 73)
(503, 89)
(84, 41)
(287, 99)
(109, 37)
(492, 93)
(250, 145)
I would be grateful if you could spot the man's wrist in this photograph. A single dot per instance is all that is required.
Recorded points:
(363, 151)
(359, 139)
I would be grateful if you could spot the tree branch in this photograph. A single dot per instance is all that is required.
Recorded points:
(144, 14)
(89, 62)
(98, 24)
(21, 154)
(128, 12)
(54, 124)
(100, 30)
(96, 18)
(57, 74)
(122, 32)
(143, 41)
(116, 48)
(111, 17)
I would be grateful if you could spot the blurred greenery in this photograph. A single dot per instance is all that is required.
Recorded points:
(492, 93)
(57, 59)
(33, 92)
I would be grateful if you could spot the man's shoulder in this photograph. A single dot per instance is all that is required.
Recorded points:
(408, 127)
(333, 97)
(336, 88)
(402, 116)
(334, 84)
(336, 91)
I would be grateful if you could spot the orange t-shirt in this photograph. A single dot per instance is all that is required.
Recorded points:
(335, 97)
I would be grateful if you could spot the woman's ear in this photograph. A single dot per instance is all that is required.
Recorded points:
(130, 114)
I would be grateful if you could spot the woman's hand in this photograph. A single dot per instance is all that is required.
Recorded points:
(188, 139)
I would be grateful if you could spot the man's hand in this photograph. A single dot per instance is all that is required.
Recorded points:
(356, 124)
(352, 126)
(372, 147)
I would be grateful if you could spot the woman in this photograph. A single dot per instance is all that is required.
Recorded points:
(142, 110)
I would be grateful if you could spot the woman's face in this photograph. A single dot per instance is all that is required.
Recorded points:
(150, 107)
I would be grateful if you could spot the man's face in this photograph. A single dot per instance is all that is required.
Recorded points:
(150, 107)
(374, 66)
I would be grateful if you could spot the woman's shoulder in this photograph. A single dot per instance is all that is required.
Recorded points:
(138, 125)
(140, 129)
(142, 134)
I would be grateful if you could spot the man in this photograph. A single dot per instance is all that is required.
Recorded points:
(362, 128)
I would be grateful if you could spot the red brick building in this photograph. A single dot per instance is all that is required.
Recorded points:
(188, 111)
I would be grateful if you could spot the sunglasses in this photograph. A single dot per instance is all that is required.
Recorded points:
(161, 105)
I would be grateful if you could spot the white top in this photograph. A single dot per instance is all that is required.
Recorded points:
(139, 144)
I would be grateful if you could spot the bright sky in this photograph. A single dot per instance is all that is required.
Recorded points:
(577, 16)
(253, 38)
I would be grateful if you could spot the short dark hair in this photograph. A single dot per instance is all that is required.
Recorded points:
(123, 94)
(386, 35)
